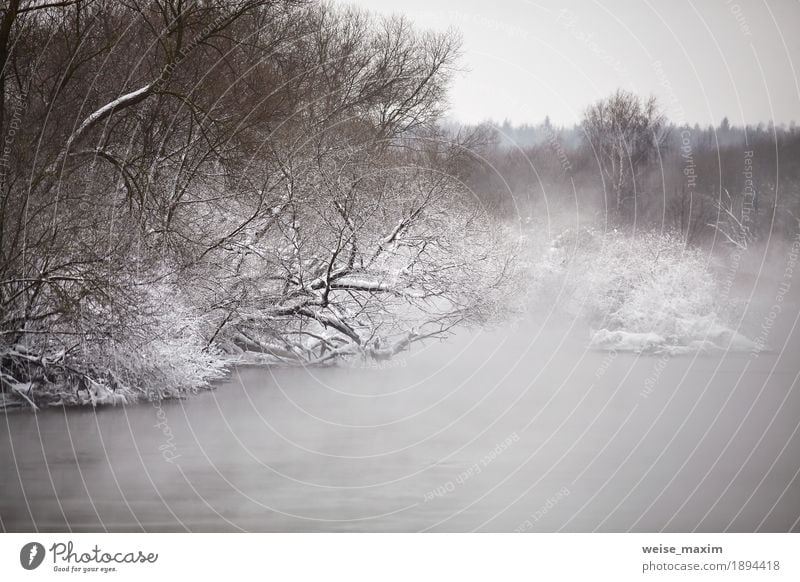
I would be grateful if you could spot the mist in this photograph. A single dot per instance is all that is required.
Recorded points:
(260, 272)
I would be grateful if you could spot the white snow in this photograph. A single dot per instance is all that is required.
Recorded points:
(106, 109)
(626, 341)
(651, 293)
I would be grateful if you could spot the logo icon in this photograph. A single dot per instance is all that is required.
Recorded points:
(31, 555)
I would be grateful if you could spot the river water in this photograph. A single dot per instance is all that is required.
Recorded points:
(521, 429)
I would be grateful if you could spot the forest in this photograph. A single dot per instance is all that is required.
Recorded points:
(629, 163)
(185, 186)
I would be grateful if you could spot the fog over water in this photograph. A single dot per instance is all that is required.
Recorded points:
(520, 428)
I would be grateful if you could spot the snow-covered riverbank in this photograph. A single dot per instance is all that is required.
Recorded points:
(643, 293)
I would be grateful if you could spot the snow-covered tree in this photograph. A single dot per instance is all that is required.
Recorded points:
(188, 178)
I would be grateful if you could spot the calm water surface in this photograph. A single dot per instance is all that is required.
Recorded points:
(494, 431)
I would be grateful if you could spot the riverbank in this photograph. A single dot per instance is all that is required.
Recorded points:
(646, 294)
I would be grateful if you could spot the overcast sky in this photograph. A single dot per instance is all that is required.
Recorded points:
(704, 59)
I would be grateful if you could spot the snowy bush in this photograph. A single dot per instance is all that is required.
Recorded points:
(645, 293)
(170, 354)
(155, 351)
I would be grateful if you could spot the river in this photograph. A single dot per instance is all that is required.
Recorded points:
(519, 429)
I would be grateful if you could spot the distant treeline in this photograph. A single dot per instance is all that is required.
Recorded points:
(741, 182)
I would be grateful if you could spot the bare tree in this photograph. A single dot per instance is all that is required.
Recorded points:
(624, 132)
(248, 175)
(732, 222)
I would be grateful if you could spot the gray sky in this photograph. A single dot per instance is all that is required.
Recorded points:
(703, 59)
